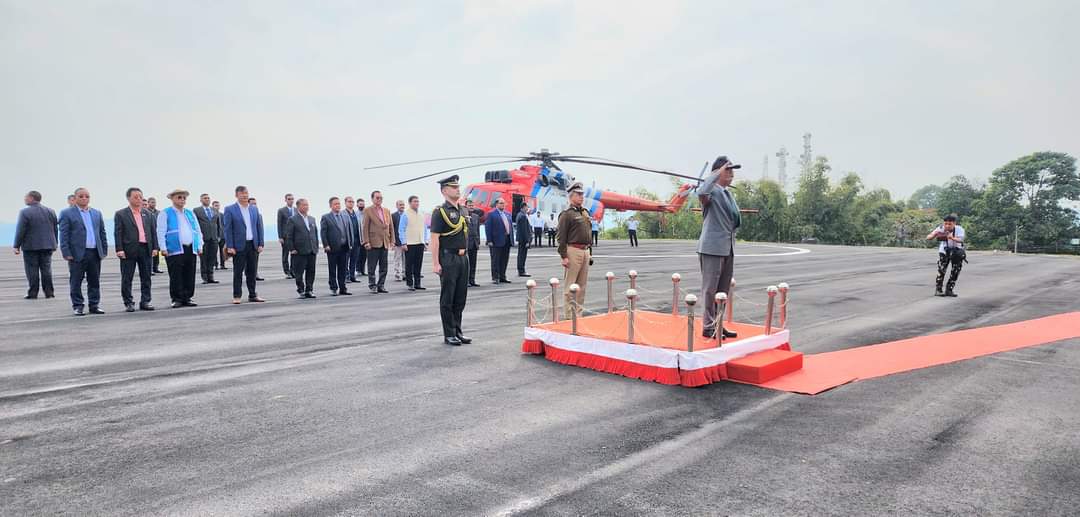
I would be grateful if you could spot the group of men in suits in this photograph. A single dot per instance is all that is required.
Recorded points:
(502, 231)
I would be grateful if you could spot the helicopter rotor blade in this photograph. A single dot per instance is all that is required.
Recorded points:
(628, 166)
(444, 171)
(478, 157)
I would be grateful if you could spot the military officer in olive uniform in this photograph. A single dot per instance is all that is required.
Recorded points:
(449, 248)
(575, 241)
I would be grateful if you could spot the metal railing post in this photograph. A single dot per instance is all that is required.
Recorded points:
(718, 328)
(530, 306)
(573, 308)
(771, 291)
(675, 279)
(691, 300)
(610, 292)
(554, 299)
(783, 304)
(730, 317)
(631, 295)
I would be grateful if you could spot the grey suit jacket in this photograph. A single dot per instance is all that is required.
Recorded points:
(283, 220)
(718, 230)
(36, 229)
(211, 227)
(299, 238)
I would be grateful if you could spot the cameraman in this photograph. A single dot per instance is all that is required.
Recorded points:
(950, 250)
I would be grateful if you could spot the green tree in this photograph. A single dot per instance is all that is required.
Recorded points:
(809, 211)
(925, 197)
(771, 222)
(1024, 197)
(957, 196)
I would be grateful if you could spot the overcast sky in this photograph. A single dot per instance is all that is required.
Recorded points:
(300, 96)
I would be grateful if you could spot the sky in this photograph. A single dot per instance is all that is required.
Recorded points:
(300, 96)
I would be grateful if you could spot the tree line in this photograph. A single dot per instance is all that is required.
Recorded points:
(1021, 205)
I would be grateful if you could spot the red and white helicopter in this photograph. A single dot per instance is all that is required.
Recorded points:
(542, 185)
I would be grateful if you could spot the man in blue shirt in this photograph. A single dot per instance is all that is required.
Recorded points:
(83, 244)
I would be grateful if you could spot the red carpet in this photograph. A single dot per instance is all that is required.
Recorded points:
(825, 371)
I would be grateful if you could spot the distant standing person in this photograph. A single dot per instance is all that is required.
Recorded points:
(411, 228)
(361, 253)
(950, 251)
(552, 227)
(523, 225)
(355, 246)
(595, 232)
(244, 241)
(216, 205)
(473, 216)
(631, 228)
(499, 229)
(35, 239)
(179, 234)
(83, 244)
(71, 200)
(302, 244)
(716, 246)
(283, 215)
(574, 249)
(378, 239)
(151, 205)
(209, 224)
(538, 228)
(398, 256)
(135, 235)
(337, 241)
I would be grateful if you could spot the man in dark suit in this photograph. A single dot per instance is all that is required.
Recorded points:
(243, 241)
(302, 244)
(35, 240)
(216, 205)
(135, 232)
(473, 216)
(83, 244)
(283, 215)
(336, 241)
(524, 237)
(353, 218)
(210, 225)
(500, 238)
(151, 205)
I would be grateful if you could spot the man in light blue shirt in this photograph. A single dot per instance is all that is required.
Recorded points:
(83, 244)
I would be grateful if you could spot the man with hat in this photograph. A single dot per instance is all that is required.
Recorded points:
(181, 239)
(449, 247)
(575, 237)
(716, 247)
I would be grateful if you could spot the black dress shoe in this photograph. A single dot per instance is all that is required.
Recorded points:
(96, 310)
(176, 305)
(212, 281)
(494, 282)
(474, 284)
(505, 281)
(728, 334)
(382, 291)
(708, 333)
(301, 296)
(524, 275)
(950, 294)
(373, 289)
(464, 340)
(190, 303)
(260, 279)
(345, 293)
(309, 296)
(939, 293)
(28, 297)
(47, 296)
(146, 307)
(452, 341)
(411, 288)
(421, 288)
(78, 311)
(129, 307)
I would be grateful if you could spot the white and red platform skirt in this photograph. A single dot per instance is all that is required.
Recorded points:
(659, 351)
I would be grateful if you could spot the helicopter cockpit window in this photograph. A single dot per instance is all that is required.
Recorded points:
(494, 199)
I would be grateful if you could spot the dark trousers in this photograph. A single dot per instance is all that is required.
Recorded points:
(361, 259)
(286, 264)
(551, 239)
(181, 275)
(208, 259)
(943, 264)
(38, 265)
(414, 261)
(337, 262)
(139, 259)
(303, 269)
(376, 260)
(523, 251)
(538, 237)
(245, 269)
(716, 274)
(454, 288)
(595, 238)
(472, 264)
(90, 269)
(221, 251)
(353, 262)
(500, 259)
(633, 238)
(157, 264)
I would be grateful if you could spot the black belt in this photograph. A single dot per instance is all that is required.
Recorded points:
(451, 251)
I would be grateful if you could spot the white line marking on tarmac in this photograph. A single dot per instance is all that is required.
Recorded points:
(795, 251)
(1037, 363)
(659, 456)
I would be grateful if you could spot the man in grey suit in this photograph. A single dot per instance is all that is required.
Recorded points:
(283, 215)
(302, 245)
(716, 247)
(83, 244)
(337, 241)
(35, 240)
(210, 224)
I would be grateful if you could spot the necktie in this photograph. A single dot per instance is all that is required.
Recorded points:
(506, 223)
(208, 214)
(733, 208)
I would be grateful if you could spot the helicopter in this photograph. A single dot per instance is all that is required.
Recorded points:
(541, 184)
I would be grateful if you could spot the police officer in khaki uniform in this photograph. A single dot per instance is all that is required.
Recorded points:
(575, 238)
(450, 260)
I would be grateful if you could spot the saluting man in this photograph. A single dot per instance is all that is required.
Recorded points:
(575, 238)
(450, 261)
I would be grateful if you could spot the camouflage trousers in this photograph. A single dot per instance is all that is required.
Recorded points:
(944, 259)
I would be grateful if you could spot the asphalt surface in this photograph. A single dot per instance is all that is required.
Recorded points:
(353, 406)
